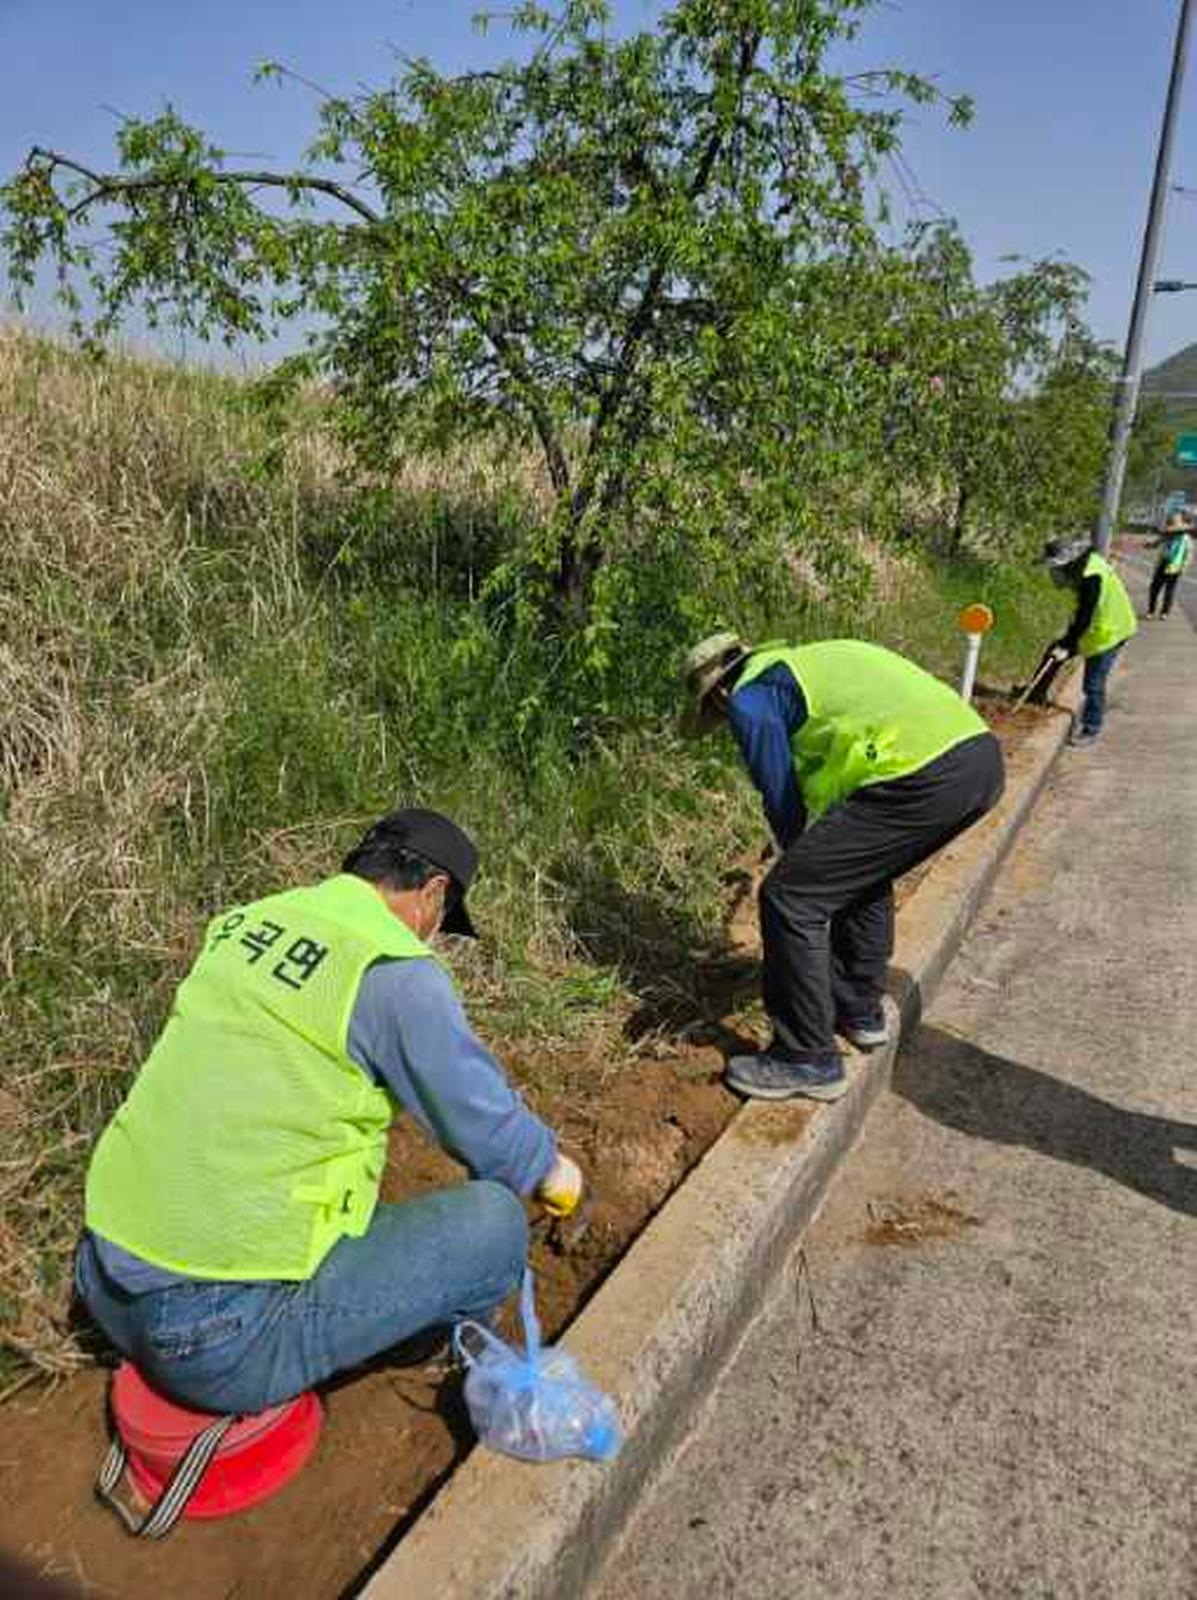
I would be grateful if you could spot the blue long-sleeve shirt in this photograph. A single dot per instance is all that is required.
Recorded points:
(409, 1033)
(764, 714)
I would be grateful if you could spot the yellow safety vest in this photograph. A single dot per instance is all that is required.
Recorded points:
(251, 1141)
(1113, 620)
(871, 716)
(1177, 553)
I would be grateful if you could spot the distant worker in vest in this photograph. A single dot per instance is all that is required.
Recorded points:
(1176, 551)
(1103, 621)
(235, 1248)
(866, 765)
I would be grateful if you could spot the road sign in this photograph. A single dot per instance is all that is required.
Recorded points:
(976, 621)
(1186, 450)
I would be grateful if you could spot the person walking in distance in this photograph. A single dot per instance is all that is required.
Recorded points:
(866, 765)
(1176, 551)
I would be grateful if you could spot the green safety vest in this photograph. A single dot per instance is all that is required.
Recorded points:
(871, 716)
(1113, 617)
(251, 1141)
(1177, 553)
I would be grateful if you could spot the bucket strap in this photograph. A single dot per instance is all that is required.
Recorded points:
(183, 1482)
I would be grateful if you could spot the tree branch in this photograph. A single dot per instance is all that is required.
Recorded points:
(513, 359)
(110, 186)
(507, 348)
(642, 318)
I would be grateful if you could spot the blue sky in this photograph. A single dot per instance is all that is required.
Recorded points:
(1069, 98)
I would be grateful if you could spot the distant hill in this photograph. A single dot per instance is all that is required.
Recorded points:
(1176, 375)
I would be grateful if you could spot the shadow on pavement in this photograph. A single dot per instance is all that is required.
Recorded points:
(966, 1088)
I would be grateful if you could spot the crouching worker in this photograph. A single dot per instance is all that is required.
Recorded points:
(1103, 621)
(235, 1248)
(867, 765)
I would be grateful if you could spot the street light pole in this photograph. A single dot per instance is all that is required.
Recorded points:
(1126, 397)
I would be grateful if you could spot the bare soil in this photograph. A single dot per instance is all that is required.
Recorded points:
(391, 1435)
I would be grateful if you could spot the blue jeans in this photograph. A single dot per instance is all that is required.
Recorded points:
(423, 1264)
(1097, 672)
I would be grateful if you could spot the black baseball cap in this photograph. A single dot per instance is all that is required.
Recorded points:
(435, 838)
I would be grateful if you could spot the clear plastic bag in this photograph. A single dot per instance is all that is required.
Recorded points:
(533, 1404)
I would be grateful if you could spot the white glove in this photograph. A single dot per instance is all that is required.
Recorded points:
(1058, 653)
(560, 1191)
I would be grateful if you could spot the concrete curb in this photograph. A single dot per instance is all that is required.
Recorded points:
(661, 1326)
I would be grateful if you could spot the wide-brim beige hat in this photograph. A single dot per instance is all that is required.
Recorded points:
(704, 669)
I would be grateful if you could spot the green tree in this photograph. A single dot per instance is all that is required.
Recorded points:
(1010, 420)
(1055, 443)
(949, 319)
(1150, 468)
(634, 250)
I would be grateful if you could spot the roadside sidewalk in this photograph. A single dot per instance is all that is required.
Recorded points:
(976, 1377)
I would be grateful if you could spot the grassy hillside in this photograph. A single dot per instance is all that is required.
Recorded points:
(219, 659)
(1177, 374)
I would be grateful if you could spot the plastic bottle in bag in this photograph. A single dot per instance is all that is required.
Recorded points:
(533, 1403)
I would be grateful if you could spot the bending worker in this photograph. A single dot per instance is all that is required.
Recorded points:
(235, 1249)
(1176, 551)
(1103, 621)
(867, 765)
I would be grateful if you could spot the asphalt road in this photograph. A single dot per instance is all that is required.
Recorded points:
(978, 1377)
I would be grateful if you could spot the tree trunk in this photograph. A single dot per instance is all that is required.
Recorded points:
(576, 567)
(568, 583)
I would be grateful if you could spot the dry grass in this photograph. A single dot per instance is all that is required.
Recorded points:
(136, 523)
(89, 751)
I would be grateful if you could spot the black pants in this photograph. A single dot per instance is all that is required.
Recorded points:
(1161, 578)
(827, 907)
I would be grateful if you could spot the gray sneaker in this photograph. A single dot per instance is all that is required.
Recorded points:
(1083, 736)
(866, 1033)
(769, 1077)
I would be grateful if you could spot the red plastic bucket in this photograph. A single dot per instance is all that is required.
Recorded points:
(256, 1457)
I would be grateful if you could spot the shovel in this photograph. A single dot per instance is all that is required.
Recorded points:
(1046, 665)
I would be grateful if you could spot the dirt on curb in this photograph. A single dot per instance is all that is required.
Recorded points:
(912, 1220)
(391, 1435)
